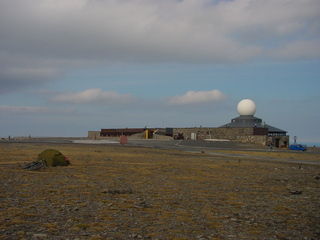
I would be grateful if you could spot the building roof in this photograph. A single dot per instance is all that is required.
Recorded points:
(250, 121)
(272, 129)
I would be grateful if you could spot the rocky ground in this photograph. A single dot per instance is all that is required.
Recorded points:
(117, 192)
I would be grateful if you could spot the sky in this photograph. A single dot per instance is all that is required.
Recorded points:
(69, 66)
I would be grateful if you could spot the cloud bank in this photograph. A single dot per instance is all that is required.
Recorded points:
(197, 97)
(6, 109)
(42, 39)
(94, 95)
(97, 95)
(23, 109)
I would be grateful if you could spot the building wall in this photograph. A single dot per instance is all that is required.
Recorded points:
(243, 135)
(93, 135)
(219, 133)
(96, 135)
(202, 133)
(278, 141)
(254, 139)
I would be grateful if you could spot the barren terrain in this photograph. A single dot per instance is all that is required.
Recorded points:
(120, 192)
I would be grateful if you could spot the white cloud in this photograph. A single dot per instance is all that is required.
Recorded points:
(94, 95)
(197, 97)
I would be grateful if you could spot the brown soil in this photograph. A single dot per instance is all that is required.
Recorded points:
(118, 192)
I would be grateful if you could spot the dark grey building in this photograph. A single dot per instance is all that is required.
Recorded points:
(276, 136)
(246, 121)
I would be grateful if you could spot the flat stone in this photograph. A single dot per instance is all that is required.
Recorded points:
(39, 236)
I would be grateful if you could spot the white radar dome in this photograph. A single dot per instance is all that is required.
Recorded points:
(246, 107)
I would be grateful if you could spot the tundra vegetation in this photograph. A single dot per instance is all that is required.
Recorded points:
(120, 192)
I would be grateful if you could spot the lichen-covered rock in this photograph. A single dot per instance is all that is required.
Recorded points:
(53, 158)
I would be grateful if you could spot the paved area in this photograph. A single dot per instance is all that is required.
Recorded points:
(192, 145)
(88, 141)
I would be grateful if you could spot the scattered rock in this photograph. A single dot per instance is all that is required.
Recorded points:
(142, 204)
(201, 237)
(135, 236)
(21, 233)
(295, 192)
(39, 236)
(118, 191)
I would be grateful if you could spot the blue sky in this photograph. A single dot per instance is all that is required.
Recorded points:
(67, 67)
